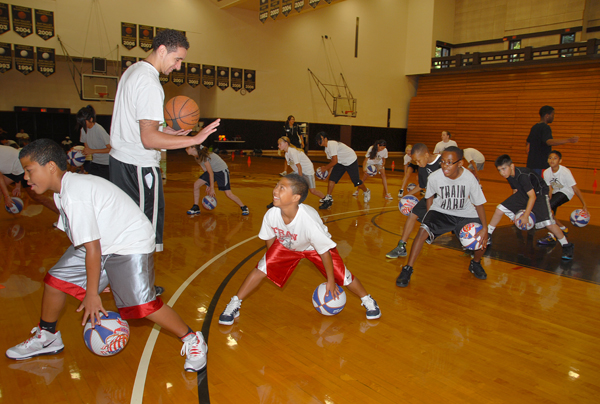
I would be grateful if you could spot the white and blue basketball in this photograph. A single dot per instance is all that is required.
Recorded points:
(529, 224)
(372, 170)
(17, 206)
(407, 204)
(109, 337)
(327, 305)
(322, 175)
(209, 202)
(75, 157)
(410, 187)
(580, 218)
(467, 236)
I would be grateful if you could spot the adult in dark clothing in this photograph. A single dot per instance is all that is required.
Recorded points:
(292, 131)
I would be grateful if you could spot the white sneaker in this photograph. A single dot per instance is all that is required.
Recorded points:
(355, 193)
(196, 350)
(327, 198)
(231, 312)
(283, 173)
(388, 197)
(370, 304)
(367, 195)
(41, 342)
(400, 193)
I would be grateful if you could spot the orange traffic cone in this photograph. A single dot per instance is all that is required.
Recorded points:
(249, 162)
(393, 165)
(232, 156)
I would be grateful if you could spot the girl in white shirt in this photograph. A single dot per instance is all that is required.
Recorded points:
(376, 156)
(300, 163)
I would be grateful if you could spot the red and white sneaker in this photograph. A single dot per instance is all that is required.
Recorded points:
(41, 342)
(195, 349)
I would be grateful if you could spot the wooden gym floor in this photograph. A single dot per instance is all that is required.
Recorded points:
(528, 334)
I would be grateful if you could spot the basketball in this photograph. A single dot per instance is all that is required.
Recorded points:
(579, 218)
(407, 204)
(209, 202)
(321, 175)
(17, 206)
(372, 170)
(181, 112)
(327, 305)
(529, 225)
(108, 338)
(467, 236)
(410, 187)
(75, 157)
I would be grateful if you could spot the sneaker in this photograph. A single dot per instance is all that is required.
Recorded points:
(355, 193)
(231, 312)
(422, 192)
(326, 204)
(269, 206)
(159, 290)
(389, 197)
(404, 277)
(370, 304)
(283, 173)
(476, 269)
(367, 195)
(400, 193)
(565, 230)
(327, 198)
(245, 211)
(489, 239)
(548, 240)
(567, 252)
(399, 251)
(41, 342)
(194, 210)
(195, 351)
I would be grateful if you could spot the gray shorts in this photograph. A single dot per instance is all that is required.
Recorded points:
(479, 166)
(311, 180)
(131, 279)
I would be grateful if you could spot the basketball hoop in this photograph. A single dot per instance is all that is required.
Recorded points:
(102, 96)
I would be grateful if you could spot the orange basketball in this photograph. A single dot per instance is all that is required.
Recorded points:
(181, 112)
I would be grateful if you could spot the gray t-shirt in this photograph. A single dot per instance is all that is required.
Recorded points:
(96, 138)
(216, 163)
(455, 197)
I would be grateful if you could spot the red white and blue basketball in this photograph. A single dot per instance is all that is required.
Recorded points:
(209, 202)
(372, 170)
(529, 224)
(467, 236)
(109, 337)
(75, 157)
(327, 305)
(322, 175)
(580, 218)
(407, 204)
(410, 187)
(17, 206)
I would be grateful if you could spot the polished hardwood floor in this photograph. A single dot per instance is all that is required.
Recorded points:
(528, 334)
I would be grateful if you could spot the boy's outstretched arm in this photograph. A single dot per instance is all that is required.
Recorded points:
(482, 234)
(328, 264)
(580, 196)
(91, 303)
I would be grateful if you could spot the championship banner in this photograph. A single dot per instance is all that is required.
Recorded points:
(4, 18)
(24, 58)
(298, 5)
(127, 61)
(178, 76)
(45, 61)
(274, 9)
(286, 7)
(163, 79)
(193, 74)
(22, 23)
(313, 3)
(128, 35)
(249, 80)
(5, 57)
(222, 77)
(263, 12)
(146, 37)
(208, 76)
(236, 79)
(44, 24)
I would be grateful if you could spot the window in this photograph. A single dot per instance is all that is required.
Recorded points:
(567, 38)
(441, 51)
(515, 44)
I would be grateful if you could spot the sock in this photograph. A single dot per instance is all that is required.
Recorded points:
(562, 227)
(365, 298)
(46, 326)
(491, 228)
(563, 241)
(190, 333)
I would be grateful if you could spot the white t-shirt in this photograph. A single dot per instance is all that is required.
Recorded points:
(93, 208)
(294, 157)
(407, 159)
(96, 138)
(561, 181)
(139, 96)
(345, 155)
(216, 163)
(475, 155)
(9, 161)
(383, 154)
(455, 197)
(441, 146)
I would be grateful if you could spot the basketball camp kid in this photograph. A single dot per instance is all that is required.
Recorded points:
(215, 170)
(409, 168)
(454, 199)
(301, 164)
(376, 156)
(530, 193)
(113, 242)
(292, 231)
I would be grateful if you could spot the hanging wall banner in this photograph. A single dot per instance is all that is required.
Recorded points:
(208, 76)
(24, 58)
(44, 24)
(263, 12)
(236, 78)
(5, 57)
(193, 74)
(163, 79)
(4, 18)
(128, 35)
(222, 77)
(178, 76)
(286, 7)
(298, 5)
(22, 24)
(45, 61)
(127, 61)
(274, 9)
(313, 3)
(249, 80)
(146, 37)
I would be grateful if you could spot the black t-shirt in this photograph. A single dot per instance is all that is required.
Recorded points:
(428, 169)
(294, 134)
(526, 179)
(539, 134)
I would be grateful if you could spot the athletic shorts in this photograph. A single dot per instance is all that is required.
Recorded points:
(338, 171)
(131, 279)
(99, 170)
(558, 199)
(18, 178)
(479, 166)
(541, 208)
(312, 183)
(438, 223)
(420, 209)
(221, 178)
(144, 186)
(279, 263)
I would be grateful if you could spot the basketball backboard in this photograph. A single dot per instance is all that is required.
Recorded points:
(98, 87)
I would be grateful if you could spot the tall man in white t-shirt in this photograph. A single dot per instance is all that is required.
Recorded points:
(137, 135)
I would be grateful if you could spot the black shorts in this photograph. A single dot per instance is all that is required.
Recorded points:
(100, 170)
(338, 171)
(438, 223)
(558, 199)
(541, 208)
(221, 178)
(414, 167)
(420, 209)
(18, 178)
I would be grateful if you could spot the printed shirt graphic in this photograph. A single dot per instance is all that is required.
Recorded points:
(456, 197)
(561, 181)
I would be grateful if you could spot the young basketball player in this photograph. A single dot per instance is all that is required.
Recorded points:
(215, 170)
(301, 164)
(530, 193)
(376, 156)
(409, 168)
(293, 231)
(454, 199)
(113, 242)
(95, 140)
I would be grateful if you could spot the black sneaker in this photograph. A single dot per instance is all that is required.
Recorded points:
(194, 210)
(159, 290)
(567, 252)
(404, 276)
(476, 269)
(326, 204)
(245, 210)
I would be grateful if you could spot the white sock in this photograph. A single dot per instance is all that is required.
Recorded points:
(491, 228)
(563, 241)
(563, 227)
(365, 298)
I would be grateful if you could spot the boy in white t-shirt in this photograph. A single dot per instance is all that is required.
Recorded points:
(376, 156)
(293, 231)
(113, 242)
(562, 188)
(445, 143)
(409, 168)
